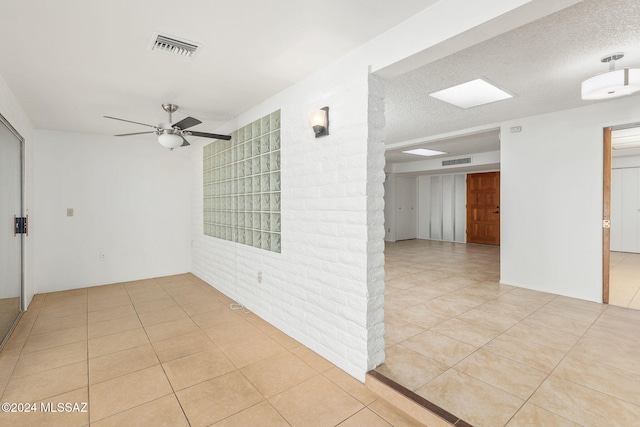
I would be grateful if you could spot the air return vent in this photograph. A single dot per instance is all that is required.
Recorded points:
(174, 46)
(453, 162)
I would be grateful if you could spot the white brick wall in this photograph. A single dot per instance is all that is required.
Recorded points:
(325, 288)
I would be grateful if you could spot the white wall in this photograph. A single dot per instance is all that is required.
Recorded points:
(326, 287)
(131, 202)
(551, 195)
(12, 111)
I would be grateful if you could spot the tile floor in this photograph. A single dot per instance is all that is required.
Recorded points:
(624, 280)
(170, 352)
(495, 355)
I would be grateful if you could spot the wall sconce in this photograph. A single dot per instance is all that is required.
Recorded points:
(320, 121)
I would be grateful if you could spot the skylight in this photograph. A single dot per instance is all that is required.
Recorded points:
(471, 94)
(425, 152)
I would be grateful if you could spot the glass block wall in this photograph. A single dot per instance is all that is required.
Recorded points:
(242, 185)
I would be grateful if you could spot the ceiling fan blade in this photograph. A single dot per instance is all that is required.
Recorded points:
(211, 135)
(186, 123)
(123, 120)
(135, 133)
(185, 143)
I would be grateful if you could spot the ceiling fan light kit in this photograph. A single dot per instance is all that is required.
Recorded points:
(173, 135)
(612, 84)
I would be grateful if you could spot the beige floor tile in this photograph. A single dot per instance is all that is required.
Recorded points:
(470, 399)
(562, 323)
(515, 378)
(55, 339)
(584, 405)
(241, 329)
(364, 417)
(214, 318)
(111, 313)
(56, 357)
(174, 328)
(536, 355)
(610, 380)
(393, 415)
(246, 352)
(200, 307)
(352, 386)
(439, 347)
(113, 326)
(547, 336)
(148, 294)
(162, 412)
(183, 345)
(409, 368)
(283, 339)
(45, 384)
(47, 313)
(312, 359)
(398, 330)
(153, 305)
(164, 315)
(119, 394)
(496, 321)
(316, 402)
(532, 416)
(197, 368)
(48, 413)
(116, 342)
(98, 304)
(467, 332)
(262, 414)
(121, 363)
(217, 399)
(278, 373)
(418, 315)
(45, 326)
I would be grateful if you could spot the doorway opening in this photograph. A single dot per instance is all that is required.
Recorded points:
(621, 216)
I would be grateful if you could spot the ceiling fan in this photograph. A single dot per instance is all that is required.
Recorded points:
(173, 135)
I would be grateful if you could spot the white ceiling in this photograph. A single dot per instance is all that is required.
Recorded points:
(69, 62)
(541, 63)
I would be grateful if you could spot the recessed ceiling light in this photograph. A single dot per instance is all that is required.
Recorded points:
(425, 152)
(471, 94)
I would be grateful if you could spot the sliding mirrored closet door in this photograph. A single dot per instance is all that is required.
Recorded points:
(11, 242)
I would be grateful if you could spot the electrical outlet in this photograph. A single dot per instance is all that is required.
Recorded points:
(259, 276)
(103, 257)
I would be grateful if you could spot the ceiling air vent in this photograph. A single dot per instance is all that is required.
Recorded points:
(453, 162)
(171, 45)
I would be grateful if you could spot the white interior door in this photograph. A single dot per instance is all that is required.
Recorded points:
(406, 201)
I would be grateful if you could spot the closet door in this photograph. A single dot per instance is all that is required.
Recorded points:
(406, 201)
(10, 242)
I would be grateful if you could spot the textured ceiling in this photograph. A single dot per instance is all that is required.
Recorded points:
(69, 62)
(541, 63)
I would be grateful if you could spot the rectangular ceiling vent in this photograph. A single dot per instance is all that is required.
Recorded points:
(173, 46)
(452, 162)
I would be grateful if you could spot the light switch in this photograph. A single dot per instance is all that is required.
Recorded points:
(69, 211)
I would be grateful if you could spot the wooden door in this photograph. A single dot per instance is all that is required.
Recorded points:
(483, 208)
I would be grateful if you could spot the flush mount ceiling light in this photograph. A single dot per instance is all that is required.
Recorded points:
(612, 84)
(471, 94)
(425, 152)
